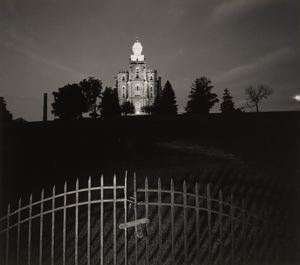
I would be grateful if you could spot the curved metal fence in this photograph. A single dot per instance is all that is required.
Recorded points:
(127, 224)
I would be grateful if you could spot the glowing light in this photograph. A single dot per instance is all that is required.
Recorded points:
(297, 97)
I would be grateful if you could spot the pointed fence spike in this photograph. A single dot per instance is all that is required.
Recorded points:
(77, 184)
(115, 180)
(172, 182)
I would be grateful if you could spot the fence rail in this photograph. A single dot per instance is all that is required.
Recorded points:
(81, 226)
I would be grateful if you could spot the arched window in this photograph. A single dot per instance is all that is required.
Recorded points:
(151, 77)
(123, 78)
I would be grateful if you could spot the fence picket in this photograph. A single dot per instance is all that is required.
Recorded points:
(89, 223)
(29, 229)
(135, 218)
(221, 251)
(159, 222)
(172, 222)
(232, 230)
(101, 219)
(185, 223)
(53, 226)
(7, 235)
(244, 223)
(125, 219)
(208, 198)
(64, 222)
(19, 231)
(197, 222)
(76, 221)
(41, 229)
(114, 221)
(147, 215)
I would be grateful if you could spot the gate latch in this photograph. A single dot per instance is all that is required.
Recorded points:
(137, 224)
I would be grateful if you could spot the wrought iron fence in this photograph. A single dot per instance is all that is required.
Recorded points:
(122, 224)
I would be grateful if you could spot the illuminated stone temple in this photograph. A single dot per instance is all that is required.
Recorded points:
(138, 84)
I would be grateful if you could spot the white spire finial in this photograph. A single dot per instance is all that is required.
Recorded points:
(137, 49)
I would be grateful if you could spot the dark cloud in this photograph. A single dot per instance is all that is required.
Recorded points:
(45, 44)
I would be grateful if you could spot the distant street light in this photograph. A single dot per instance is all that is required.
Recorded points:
(297, 98)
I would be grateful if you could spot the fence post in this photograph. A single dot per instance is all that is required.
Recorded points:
(125, 218)
(88, 249)
(197, 222)
(146, 215)
(159, 222)
(7, 235)
(172, 221)
(41, 228)
(208, 199)
(29, 229)
(221, 258)
(19, 231)
(101, 219)
(64, 222)
(185, 223)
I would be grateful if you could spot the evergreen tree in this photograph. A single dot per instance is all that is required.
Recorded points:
(69, 102)
(167, 102)
(201, 98)
(155, 107)
(110, 103)
(91, 89)
(5, 115)
(227, 106)
(127, 108)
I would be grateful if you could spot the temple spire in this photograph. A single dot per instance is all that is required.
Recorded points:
(137, 49)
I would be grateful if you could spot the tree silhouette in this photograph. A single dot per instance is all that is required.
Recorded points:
(256, 94)
(5, 115)
(69, 102)
(167, 101)
(227, 106)
(91, 89)
(201, 98)
(127, 108)
(110, 103)
(154, 109)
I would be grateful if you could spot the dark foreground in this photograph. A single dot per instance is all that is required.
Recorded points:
(254, 156)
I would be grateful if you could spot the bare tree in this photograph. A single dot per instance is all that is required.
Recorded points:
(256, 94)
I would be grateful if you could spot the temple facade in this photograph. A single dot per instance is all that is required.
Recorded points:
(138, 84)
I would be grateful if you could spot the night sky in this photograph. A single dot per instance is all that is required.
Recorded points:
(45, 44)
